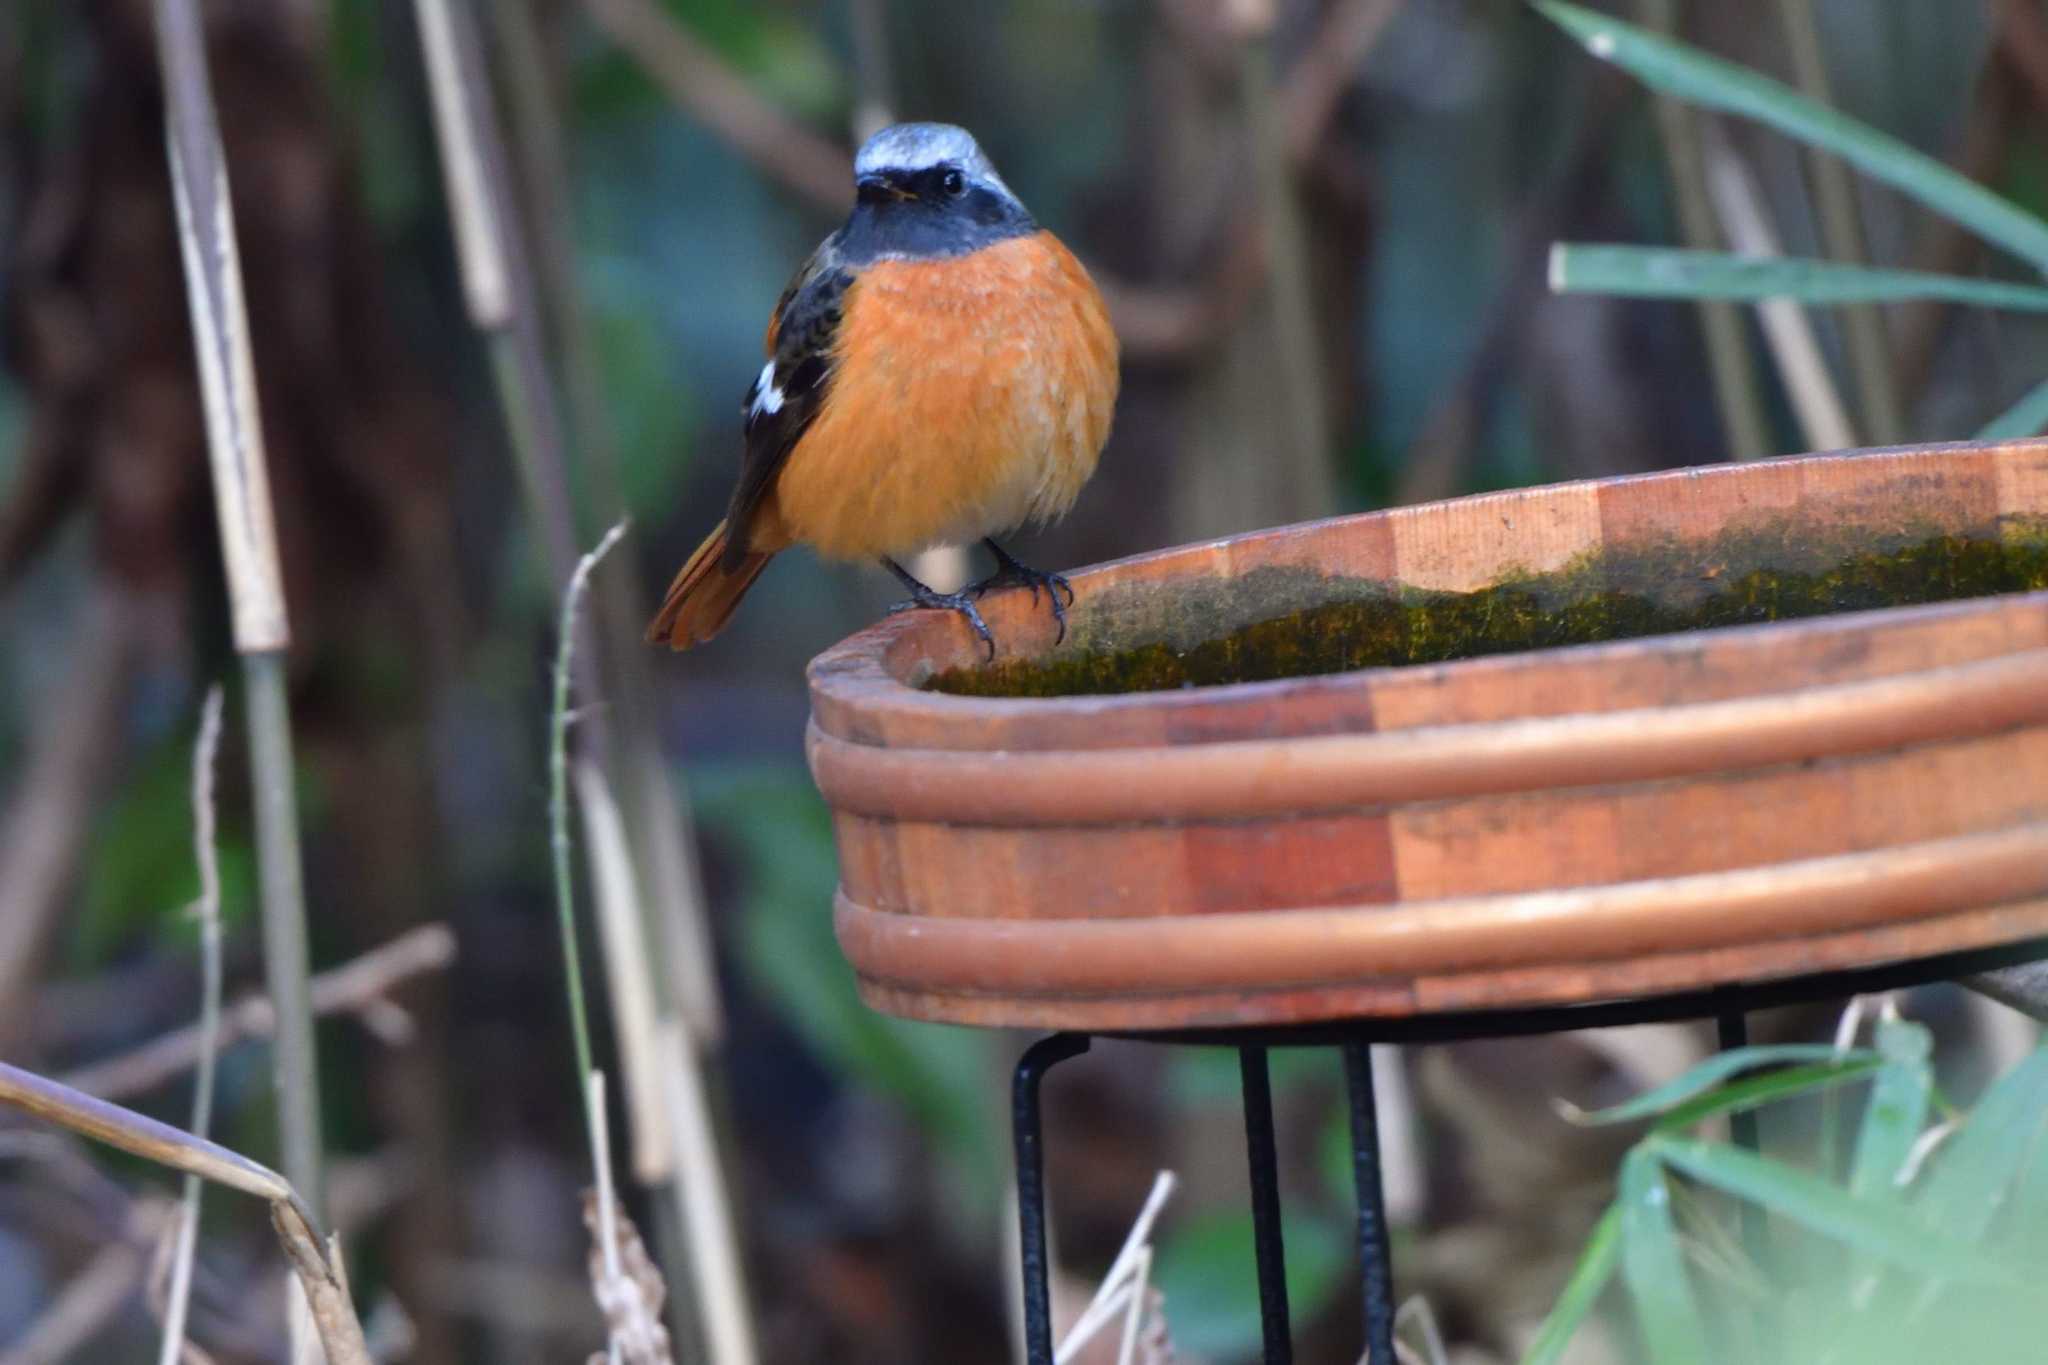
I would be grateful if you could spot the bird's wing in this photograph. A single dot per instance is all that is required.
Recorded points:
(788, 392)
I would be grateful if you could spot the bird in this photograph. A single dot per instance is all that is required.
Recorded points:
(941, 370)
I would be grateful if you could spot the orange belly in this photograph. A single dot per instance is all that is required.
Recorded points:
(968, 396)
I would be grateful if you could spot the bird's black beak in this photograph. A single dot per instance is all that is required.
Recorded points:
(880, 189)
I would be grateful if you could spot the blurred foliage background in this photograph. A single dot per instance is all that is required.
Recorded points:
(1323, 225)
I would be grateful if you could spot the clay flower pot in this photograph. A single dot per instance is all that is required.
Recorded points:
(1593, 741)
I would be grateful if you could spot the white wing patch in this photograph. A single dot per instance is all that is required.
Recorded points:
(767, 397)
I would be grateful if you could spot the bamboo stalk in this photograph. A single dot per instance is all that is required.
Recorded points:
(220, 326)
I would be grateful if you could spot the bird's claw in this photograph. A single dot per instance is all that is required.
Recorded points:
(1012, 574)
(961, 602)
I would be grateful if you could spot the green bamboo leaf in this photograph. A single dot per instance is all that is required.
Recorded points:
(1896, 1113)
(1716, 1069)
(1885, 1233)
(2030, 1204)
(1688, 74)
(1976, 1171)
(2024, 418)
(1893, 1121)
(1589, 1278)
(1671, 273)
(1753, 1092)
(1653, 1265)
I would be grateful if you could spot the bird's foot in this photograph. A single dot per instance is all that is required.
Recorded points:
(925, 597)
(1010, 573)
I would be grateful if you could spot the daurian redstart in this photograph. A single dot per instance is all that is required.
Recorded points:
(939, 371)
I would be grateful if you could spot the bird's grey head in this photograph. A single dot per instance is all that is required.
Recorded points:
(925, 190)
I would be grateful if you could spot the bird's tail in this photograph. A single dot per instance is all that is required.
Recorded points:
(705, 593)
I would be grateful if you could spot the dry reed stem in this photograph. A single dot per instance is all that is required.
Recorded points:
(70, 746)
(479, 235)
(138, 1134)
(1328, 67)
(615, 892)
(1735, 385)
(652, 797)
(325, 1282)
(720, 98)
(1125, 1291)
(220, 326)
(618, 1298)
(361, 987)
(207, 911)
(220, 334)
(630, 1293)
(714, 1259)
(84, 1305)
(1841, 225)
(1739, 207)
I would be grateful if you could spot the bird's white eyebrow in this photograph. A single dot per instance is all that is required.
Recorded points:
(920, 149)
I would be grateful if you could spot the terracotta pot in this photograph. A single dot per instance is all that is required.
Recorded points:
(1556, 824)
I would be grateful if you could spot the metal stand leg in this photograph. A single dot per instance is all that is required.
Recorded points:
(1375, 1256)
(1266, 1222)
(1733, 1028)
(1038, 1059)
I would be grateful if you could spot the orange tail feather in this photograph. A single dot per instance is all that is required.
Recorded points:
(705, 593)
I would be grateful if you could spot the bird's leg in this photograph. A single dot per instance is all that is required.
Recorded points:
(922, 596)
(1010, 573)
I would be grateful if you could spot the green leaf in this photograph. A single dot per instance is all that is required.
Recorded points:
(2024, 418)
(1672, 273)
(1653, 1265)
(1689, 74)
(1885, 1233)
(140, 875)
(1208, 1076)
(1975, 1172)
(1712, 1072)
(1896, 1113)
(1752, 1092)
(1589, 1278)
(1206, 1269)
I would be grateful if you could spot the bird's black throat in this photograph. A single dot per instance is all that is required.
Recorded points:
(886, 224)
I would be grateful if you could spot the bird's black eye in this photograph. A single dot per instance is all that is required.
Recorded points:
(953, 183)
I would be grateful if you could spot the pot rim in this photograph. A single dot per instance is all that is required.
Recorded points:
(871, 671)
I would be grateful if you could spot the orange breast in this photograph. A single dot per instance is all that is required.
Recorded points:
(968, 396)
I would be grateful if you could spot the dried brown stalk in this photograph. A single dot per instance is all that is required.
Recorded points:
(318, 1267)
(357, 987)
(629, 1293)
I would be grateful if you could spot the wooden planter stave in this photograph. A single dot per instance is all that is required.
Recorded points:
(1555, 826)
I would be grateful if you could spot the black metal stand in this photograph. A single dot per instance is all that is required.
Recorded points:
(1265, 1176)
(1728, 1006)
(1375, 1254)
(1041, 1057)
